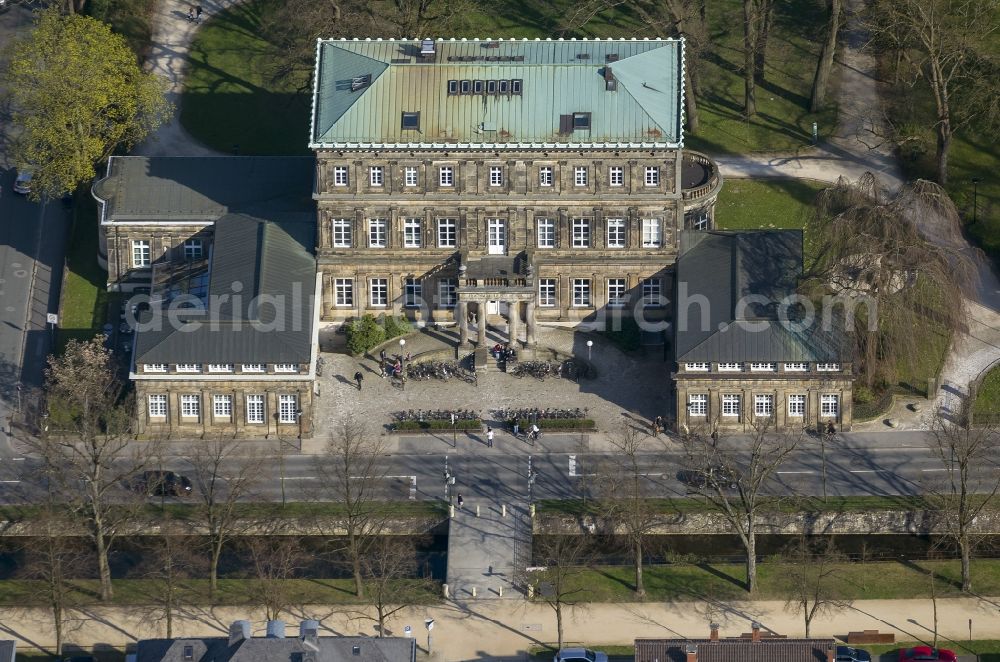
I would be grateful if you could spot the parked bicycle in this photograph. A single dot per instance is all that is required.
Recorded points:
(435, 415)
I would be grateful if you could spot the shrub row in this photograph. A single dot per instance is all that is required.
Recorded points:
(368, 332)
(464, 425)
(560, 424)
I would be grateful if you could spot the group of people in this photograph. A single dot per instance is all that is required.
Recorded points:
(533, 432)
(392, 368)
(194, 13)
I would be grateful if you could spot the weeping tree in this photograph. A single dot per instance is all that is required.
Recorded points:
(898, 265)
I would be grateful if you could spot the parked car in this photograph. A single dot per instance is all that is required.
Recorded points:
(580, 655)
(163, 483)
(716, 474)
(848, 654)
(22, 184)
(926, 654)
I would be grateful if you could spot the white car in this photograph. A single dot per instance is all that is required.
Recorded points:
(22, 184)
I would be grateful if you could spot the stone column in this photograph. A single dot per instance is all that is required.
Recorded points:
(463, 322)
(529, 314)
(481, 322)
(514, 323)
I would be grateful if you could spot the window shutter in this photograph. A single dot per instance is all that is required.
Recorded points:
(565, 124)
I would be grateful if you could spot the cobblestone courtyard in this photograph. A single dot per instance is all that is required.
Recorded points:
(626, 387)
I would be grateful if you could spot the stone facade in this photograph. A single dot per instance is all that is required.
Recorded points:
(130, 250)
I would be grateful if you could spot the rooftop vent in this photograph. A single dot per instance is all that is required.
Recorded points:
(275, 629)
(360, 82)
(610, 82)
(238, 632)
(308, 628)
(427, 47)
(356, 650)
(583, 56)
(611, 57)
(188, 652)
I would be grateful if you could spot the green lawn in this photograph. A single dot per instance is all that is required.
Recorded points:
(719, 581)
(766, 204)
(84, 295)
(231, 98)
(130, 18)
(988, 398)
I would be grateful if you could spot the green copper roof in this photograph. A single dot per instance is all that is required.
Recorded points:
(632, 90)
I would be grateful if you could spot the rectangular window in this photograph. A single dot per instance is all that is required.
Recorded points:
(581, 292)
(286, 367)
(447, 233)
(410, 121)
(763, 367)
(411, 293)
(580, 175)
(140, 254)
(410, 176)
(452, 87)
(581, 233)
(829, 405)
(515, 86)
(828, 367)
(616, 292)
(340, 175)
(288, 408)
(343, 291)
(616, 176)
(376, 176)
(763, 405)
(378, 292)
(157, 406)
(478, 87)
(651, 234)
(696, 367)
(496, 175)
(545, 176)
(651, 295)
(546, 233)
(652, 176)
(466, 87)
(252, 367)
(796, 367)
(505, 87)
(255, 409)
(698, 404)
(222, 406)
(581, 121)
(342, 233)
(547, 292)
(411, 233)
(220, 367)
(188, 367)
(730, 367)
(154, 367)
(190, 406)
(447, 293)
(796, 405)
(700, 220)
(616, 233)
(192, 249)
(491, 87)
(377, 232)
(730, 405)
(446, 176)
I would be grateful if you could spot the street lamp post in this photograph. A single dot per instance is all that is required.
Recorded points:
(975, 199)
(590, 346)
(429, 624)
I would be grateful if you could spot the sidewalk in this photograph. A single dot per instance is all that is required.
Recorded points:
(494, 629)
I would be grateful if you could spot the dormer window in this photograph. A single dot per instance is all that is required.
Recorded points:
(411, 121)
(479, 86)
(515, 87)
(466, 86)
(505, 87)
(453, 87)
(491, 87)
(581, 121)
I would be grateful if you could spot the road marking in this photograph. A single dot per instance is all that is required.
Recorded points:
(934, 470)
(301, 478)
(796, 472)
(572, 469)
(10, 481)
(866, 471)
(653, 475)
(18, 459)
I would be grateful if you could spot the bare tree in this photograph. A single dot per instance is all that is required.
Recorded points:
(224, 473)
(389, 566)
(735, 481)
(626, 498)
(811, 579)
(168, 561)
(824, 65)
(950, 46)
(276, 558)
(969, 483)
(92, 464)
(870, 251)
(350, 474)
(560, 585)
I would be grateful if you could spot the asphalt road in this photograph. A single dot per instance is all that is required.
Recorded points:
(504, 478)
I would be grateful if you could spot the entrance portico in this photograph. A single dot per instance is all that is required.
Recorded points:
(496, 282)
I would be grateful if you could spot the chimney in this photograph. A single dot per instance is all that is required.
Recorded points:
(309, 634)
(755, 631)
(713, 632)
(238, 632)
(692, 653)
(831, 653)
(275, 629)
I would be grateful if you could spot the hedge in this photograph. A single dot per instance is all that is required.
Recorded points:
(559, 424)
(464, 425)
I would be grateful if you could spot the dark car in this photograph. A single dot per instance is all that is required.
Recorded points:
(163, 483)
(711, 476)
(848, 654)
(926, 654)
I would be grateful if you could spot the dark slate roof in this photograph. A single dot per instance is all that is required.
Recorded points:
(723, 269)
(8, 649)
(179, 188)
(733, 650)
(259, 649)
(264, 258)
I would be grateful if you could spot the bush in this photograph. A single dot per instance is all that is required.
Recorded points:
(363, 334)
(559, 424)
(422, 426)
(395, 326)
(863, 395)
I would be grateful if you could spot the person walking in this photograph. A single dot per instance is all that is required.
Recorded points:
(657, 426)
(191, 14)
(381, 355)
(460, 501)
(197, 12)
(489, 437)
(358, 377)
